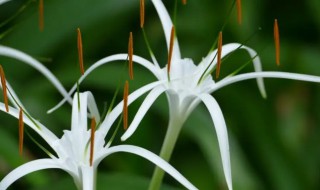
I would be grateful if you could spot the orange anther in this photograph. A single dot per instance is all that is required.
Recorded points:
(184, 2)
(141, 13)
(41, 15)
(93, 130)
(80, 52)
(21, 129)
(219, 55)
(170, 50)
(4, 88)
(130, 53)
(239, 11)
(276, 41)
(125, 105)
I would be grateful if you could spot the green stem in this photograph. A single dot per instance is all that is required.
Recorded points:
(173, 131)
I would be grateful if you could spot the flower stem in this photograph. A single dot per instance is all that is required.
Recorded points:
(174, 127)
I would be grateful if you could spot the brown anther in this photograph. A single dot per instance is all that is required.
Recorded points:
(141, 13)
(80, 52)
(276, 41)
(184, 2)
(4, 88)
(219, 55)
(21, 130)
(239, 11)
(93, 130)
(41, 15)
(125, 105)
(170, 50)
(130, 53)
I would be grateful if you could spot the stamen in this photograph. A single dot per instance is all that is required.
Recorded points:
(125, 105)
(239, 11)
(93, 130)
(141, 13)
(41, 15)
(184, 2)
(219, 55)
(276, 41)
(21, 129)
(170, 50)
(80, 53)
(4, 88)
(130, 53)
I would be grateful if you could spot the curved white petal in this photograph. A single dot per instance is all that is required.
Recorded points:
(116, 111)
(13, 96)
(167, 25)
(45, 133)
(13, 53)
(3, 1)
(27, 168)
(229, 48)
(264, 74)
(149, 156)
(145, 106)
(117, 57)
(222, 134)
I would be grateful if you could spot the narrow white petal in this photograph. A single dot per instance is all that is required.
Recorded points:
(114, 114)
(13, 53)
(167, 25)
(151, 157)
(45, 133)
(13, 96)
(222, 134)
(3, 1)
(265, 74)
(145, 106)
(28, 168)
(118, 57)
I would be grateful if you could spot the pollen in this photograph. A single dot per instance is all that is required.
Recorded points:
(4, 88)
(93, 130)
(170, 49)
(130, 53)
(21, 130)
(41, 15)
(239, 11)
(184, 2)
(141, 13)
(125, 105)
(80, 52)
(219, 55)
(276, 41)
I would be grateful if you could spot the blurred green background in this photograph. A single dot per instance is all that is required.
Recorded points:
(274, 142)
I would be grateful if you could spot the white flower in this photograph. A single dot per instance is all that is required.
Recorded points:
(74, 151)
(189, 84)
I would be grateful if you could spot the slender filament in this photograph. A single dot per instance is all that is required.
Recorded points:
(276, 41)
(41, 15)
(130, 53)
(141, 13)
(21, 131)
(4, 88)
(170, 50)
(239, 11)
(219, 55)
(125, 105)
(93, 130)
(80, 52)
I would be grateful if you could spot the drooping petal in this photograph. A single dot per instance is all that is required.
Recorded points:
(167, 25)
(265, 74)
(118, 57)
(145, 106)
(149, 156)
(222, 134)
(229, 48)
(117, 110)
(13, 53)
(45, 133)
(28, 168)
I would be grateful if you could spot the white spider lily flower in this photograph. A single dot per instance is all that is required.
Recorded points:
(80, 150)
(188, 85)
